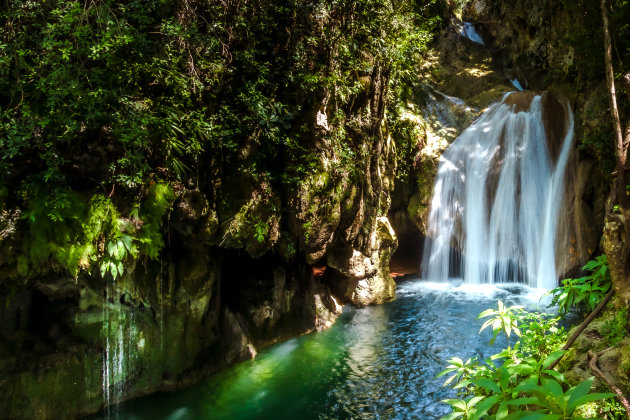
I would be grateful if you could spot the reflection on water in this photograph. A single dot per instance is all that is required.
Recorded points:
(375, 362)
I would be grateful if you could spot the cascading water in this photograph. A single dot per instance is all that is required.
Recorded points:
(497, 195)
(118, 359)
(468, 30)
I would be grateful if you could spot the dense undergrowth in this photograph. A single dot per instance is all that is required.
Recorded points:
(109, 108)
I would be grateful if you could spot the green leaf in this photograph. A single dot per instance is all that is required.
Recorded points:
(575, 403)
(556, 375)
(552, 387)
(456, 361)
(487, 384)
(484, 406)
(450, 379)
(473, 401)
(541, 416)
(528, 385)
(503, 411)
(120, 268)
(111, 248)
(485, 313)
(462, 384)
(552, 358)
(458, 404)
(578, 391)
(113, 269)
(445, 371)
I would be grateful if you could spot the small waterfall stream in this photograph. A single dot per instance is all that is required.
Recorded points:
(497, 195)
(468, 30)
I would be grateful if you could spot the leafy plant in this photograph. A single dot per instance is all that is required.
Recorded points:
(461, 370)
(503, 319)
(523, 386)
(261, 230)
(537, 368)
(117, 251)
(540, 334)
(588, 290)
(559, 404)
(464, 409)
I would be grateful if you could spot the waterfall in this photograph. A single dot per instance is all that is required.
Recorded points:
(497, 195)
(516, 84)
(119, 326)
(467, 30)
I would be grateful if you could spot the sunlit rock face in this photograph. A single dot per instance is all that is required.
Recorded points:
(498, 192)
(359, 277)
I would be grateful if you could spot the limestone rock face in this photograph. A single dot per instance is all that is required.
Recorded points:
(529, 36)
(582, 216)
(364, 279)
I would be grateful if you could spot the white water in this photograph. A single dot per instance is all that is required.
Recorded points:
(468, 31)
(117, 357)
(507, 236)
(517, 84)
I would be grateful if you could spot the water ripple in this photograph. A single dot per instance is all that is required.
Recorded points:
(375, 362)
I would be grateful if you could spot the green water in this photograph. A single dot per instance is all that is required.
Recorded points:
(375, 362)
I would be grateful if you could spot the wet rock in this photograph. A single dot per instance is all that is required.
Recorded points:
(583, 207)
(529, 36)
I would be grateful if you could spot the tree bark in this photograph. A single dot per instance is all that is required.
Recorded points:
(626, 140)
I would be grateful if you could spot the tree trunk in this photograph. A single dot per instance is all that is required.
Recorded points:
(620, 184)
(614, 110)
(610, 78)
(626, 140)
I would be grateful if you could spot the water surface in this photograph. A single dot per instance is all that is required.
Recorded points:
(374, 362)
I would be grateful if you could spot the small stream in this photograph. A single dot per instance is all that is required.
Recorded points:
(374, 362)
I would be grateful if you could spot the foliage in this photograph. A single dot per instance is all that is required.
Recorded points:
(151, 212)
(540, 334)
(261, 230)
(102, 101)
(462, 408)
(503, 319)
(408, 139)
(615, 329)
(117, 251)
(462, 370)
(523, 386)
(588, 290)
(562, 404)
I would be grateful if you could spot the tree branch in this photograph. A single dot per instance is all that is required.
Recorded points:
(585, 323)
(593, 365)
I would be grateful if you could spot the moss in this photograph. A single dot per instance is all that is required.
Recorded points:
(623, 370)
(62, 387)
